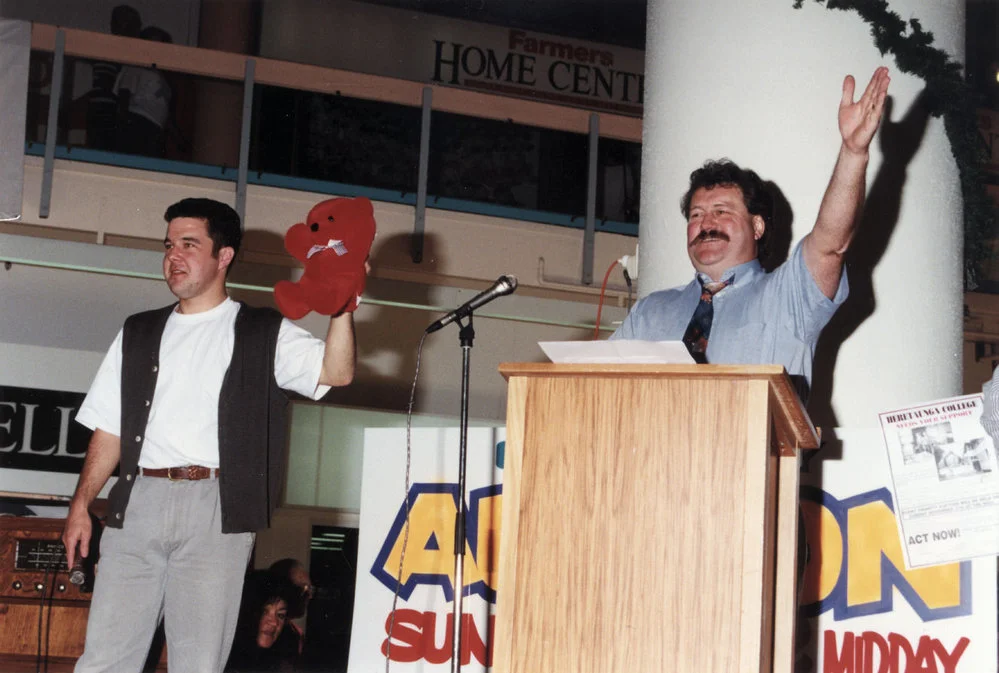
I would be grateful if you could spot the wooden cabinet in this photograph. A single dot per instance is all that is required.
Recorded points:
(43, 616)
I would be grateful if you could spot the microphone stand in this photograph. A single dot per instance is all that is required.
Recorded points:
(503, 286)
(465, 336)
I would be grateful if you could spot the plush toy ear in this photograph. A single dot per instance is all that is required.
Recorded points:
(298, 241)
(363, 230)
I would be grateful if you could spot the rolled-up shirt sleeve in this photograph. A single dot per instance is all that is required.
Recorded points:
(800, 297)
(298, 361)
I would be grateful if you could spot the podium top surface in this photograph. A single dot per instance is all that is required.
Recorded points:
(794, 428)
(508, 369)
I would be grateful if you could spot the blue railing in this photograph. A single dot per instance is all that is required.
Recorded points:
(229, 174)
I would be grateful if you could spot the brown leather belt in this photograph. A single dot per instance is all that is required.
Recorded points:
(185, 473)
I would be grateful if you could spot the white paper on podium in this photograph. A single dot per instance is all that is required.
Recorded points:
(619, 351)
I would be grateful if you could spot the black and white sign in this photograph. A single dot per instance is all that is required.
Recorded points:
(38, 430)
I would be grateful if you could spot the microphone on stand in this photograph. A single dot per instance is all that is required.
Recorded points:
(503, 286)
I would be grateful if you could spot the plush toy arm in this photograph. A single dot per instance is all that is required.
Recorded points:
(297, 241)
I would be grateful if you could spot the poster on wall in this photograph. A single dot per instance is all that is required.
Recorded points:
(861, 609)
(406, 574)
(946, 484)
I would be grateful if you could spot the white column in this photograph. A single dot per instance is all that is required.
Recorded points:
(759, 82)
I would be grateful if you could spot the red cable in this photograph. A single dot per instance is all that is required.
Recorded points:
(600, 304)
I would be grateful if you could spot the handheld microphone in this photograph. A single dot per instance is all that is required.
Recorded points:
(77, 575)
(504, 285)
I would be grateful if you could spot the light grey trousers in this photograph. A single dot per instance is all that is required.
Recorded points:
(169, 561)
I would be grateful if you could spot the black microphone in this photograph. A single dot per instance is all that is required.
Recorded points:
(504, 285)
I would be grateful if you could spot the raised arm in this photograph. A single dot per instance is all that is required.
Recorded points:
(825, 246)
(340, 357)
(102, 457)
(341, 354)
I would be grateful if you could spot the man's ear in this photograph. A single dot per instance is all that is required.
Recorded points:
(226, 255)
(759, 226)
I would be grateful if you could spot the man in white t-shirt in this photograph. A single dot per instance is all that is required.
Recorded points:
(188, 405)
(144, 100)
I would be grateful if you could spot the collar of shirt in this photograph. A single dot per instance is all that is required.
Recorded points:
(737, 276)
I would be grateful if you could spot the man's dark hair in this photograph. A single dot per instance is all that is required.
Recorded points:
(222, 220)
(726, 173)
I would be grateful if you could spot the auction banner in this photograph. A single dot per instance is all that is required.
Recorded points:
(418, 563)
(861, 610)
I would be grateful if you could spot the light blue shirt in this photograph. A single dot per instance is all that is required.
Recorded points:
(759, 318)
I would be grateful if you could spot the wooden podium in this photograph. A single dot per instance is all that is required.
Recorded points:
(649, 519)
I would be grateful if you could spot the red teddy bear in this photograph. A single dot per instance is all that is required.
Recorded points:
(333, 244)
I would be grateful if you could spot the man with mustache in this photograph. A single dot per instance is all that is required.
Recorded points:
(733, 312)
(189, 406)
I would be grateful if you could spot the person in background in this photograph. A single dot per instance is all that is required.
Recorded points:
(263, 617)
(102, 103)
(293, 570)
(144, 101)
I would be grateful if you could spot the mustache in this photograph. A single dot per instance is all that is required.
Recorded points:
(709, 235)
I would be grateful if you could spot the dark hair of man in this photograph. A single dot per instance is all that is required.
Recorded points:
(725, 173)
(222, 220)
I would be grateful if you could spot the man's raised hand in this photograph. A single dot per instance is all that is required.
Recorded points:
(858, 121)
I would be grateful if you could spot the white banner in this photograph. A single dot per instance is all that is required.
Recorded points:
(421, 623)
(861, 610)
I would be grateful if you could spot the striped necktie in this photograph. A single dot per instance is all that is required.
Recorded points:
(695, 338)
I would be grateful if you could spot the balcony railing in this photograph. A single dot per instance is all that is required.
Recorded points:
(260, 121)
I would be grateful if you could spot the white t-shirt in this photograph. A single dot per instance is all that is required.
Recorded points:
(149, 93)
(195, 352)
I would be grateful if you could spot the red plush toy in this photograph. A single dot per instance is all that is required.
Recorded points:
(333, 244)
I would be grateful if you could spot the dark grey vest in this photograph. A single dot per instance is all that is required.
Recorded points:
(253, 416)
